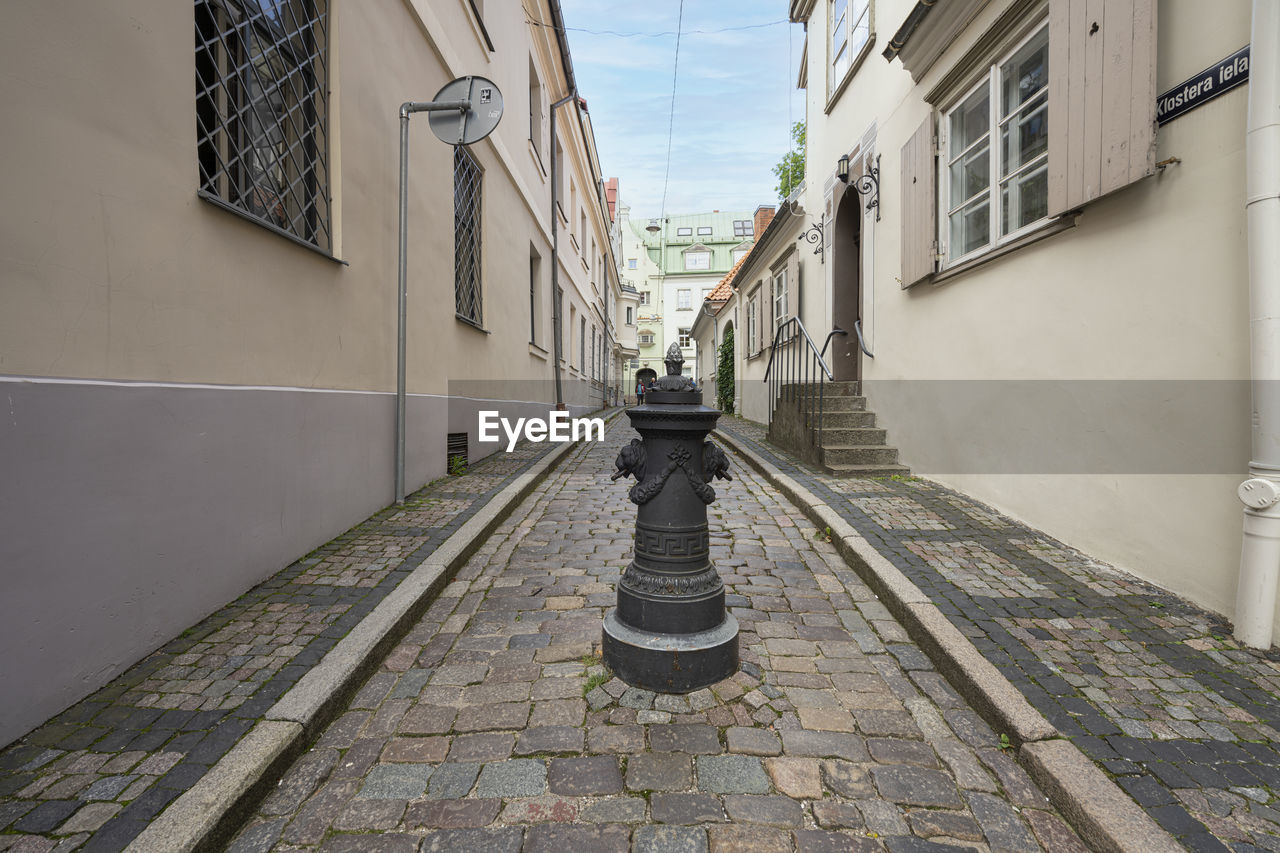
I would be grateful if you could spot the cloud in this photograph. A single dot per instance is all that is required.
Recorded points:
(734, 100)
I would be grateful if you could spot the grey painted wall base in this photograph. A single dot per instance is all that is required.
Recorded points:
(128, 512)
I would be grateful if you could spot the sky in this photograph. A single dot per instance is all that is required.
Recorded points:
(732, 95)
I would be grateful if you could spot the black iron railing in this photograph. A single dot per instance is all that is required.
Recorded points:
(796, 365)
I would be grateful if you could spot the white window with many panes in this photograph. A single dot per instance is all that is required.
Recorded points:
(684, 299)
(995, 153)
(848, 33)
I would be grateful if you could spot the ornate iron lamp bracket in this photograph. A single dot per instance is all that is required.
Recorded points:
(869, 185)
(814, 235)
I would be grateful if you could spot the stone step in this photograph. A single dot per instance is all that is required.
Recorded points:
(859, 455)
(847, 420)
(844, 404)
(829, 389)
(852, 436)
(867, 470)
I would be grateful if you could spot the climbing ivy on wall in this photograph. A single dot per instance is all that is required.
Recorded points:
(724, 374)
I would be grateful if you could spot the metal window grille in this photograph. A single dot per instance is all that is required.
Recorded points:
(456, 448)
(261, 112)
(467, 179)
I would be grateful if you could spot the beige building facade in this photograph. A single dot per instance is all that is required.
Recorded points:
(198, 326)
(1055, 288)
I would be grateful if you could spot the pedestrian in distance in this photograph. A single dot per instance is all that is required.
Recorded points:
(640, 393)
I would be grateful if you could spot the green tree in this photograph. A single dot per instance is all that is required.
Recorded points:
(724, 374)
(790, 169)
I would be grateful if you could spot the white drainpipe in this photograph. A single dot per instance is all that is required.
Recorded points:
(1260, 551)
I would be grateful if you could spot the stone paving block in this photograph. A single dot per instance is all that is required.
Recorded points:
(686, 808)
(771, 809)
(550, 740)
(916, 786)
(669, 839)
(482, 747)
(799, 778)
(1004, 830)
(370, 814)
(932, 823)
(731, 774)
(824, 745)
(752, 741)
(491, 840)
(683, 737)
(558, 838)
(748, 839)
(396, 781)
(89, 818)
(517, 777)
(452, 781)
(366, 843)
(540, 809)
(578, 777)
(451, 813)
(833, 814)
(898, 751)
(615, 810)
(430, 750)
(615, 739)
(819, 841)
(658, 771)
(496, 717)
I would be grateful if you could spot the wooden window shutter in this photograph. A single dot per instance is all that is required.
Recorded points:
(1102, 98)
(793, 284)
(919, 206)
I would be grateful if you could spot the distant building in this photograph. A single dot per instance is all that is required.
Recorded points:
(686, 256)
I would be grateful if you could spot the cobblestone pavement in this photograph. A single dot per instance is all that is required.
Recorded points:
(1150, 687)
(493, 727)
(95, 775)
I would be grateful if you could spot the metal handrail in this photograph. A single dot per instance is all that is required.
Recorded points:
(813, 347)
(862, 344)
(831, 335)
(801, 365)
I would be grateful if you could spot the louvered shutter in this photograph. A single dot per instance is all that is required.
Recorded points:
(1102, 98)
(919, 206)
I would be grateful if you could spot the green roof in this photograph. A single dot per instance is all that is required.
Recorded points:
(718, 232)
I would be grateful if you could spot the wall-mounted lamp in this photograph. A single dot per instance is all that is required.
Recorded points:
(868, 184)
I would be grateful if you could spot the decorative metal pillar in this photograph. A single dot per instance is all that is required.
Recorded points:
(670, 632)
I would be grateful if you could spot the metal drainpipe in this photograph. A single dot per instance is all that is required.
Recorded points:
(1260, 550)
(557, 344)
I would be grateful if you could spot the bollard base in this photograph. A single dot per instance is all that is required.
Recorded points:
(670, 663)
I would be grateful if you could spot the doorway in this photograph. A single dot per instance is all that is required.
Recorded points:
(845, 250)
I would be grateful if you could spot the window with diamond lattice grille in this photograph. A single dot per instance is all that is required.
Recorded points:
(467, 179)
(262, 112)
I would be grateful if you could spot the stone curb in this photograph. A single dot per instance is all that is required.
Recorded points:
(208, 813)
(1103, 815)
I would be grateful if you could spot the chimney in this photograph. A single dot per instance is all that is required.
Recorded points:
(764, 215)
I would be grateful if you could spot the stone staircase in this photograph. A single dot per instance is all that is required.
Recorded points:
(848, 444)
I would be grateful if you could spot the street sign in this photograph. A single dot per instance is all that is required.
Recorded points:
(1203, 87)
(456, 127)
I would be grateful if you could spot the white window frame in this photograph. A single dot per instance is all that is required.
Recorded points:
(779, 292)
(684, 232)
(631, 316)
(854, 40)
(685, 337)
(643, 335)
(684, 299)
(700, 253)
(644, 297)
(991, 80)
(631, 263)
(753, 321)
(704, 230)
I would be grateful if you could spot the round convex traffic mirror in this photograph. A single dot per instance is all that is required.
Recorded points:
(466, 128)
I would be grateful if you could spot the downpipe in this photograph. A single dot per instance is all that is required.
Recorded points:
(1260, 546)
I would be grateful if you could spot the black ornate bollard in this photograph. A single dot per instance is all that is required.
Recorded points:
(670, 632)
